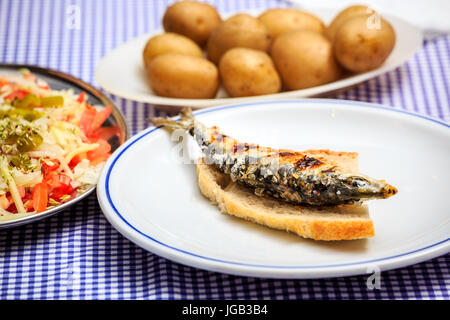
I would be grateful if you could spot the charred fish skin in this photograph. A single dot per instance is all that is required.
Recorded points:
(283, 174)
(296, 186)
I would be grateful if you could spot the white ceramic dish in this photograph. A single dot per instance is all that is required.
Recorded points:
(152, 198)
(121, 71)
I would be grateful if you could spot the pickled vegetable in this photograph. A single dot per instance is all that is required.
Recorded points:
(30, 101)
(52, 101)
(23, 137)
(14, 113)
(28, 142)
(21, 161)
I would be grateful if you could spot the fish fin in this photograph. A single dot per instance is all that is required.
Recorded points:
(186, 121)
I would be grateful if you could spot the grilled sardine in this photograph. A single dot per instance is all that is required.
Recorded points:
(292, 176)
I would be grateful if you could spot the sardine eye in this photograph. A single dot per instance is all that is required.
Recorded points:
(359, 182)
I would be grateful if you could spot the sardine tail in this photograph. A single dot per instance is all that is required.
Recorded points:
(186, 121)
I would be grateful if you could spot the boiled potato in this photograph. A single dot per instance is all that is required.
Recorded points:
(182, 76)
(363, 43)
(344, 15)
(278, 21)
(241, 30)
(193, 19)
(304, 59)
(170, 42)
(248, 72)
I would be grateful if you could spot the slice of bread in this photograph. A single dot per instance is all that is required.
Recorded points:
(343, 222)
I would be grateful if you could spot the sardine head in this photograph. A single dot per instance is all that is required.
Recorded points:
(367, 188)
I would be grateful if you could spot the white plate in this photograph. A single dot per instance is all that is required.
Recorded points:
(154, 201)
(121, 71)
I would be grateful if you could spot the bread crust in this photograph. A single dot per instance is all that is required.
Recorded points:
(343, 222)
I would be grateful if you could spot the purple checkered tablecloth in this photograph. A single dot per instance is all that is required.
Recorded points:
(77, 254)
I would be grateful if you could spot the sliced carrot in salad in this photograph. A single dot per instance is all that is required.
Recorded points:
(40, 197)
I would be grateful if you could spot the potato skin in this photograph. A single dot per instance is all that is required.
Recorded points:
(343, 16)
(192, 19)
(359, 47)
(304, 59)
(248, 72)
(280, 20)
(169, 43)
(241, 30)
(182, 76)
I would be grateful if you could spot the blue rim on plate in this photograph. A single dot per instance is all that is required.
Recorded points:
(362, 104)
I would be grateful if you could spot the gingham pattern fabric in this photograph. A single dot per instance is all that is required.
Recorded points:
(78, 255)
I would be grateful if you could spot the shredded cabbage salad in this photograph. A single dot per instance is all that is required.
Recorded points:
(52, 145)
